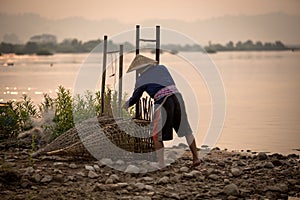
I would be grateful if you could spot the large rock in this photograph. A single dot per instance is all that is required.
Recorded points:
(231, 189)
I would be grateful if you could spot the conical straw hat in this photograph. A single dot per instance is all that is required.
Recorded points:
(139, 62)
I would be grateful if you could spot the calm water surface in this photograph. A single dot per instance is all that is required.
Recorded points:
(262, 93)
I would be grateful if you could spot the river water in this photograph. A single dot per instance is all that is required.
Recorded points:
(262, 91)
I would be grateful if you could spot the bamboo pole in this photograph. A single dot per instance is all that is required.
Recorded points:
(137, 51)
(157, 51)
(120, 79)
(103, 74)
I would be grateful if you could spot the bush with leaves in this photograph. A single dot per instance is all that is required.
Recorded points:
(63, 105)
(65, 111)
(17, 116)
(85, 107)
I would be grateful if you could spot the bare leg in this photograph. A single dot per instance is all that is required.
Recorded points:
(192, 144)
(159, 147)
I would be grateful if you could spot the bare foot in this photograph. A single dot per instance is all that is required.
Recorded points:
(196, 163)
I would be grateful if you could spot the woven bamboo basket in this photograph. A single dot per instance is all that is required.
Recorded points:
(104, 137)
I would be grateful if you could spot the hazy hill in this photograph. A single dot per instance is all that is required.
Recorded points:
(268, 27)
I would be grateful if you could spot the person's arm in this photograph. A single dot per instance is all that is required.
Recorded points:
(138, 92)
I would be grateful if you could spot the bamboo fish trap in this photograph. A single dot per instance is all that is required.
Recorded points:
(104, 137)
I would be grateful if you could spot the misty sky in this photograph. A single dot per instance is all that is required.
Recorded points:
(133, 11)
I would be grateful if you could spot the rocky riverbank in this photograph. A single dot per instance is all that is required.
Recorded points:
(222, 175)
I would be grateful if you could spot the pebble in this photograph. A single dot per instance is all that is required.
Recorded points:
(34, 187)
(71, 178)
(132, 169)
(171, 195)
(269, 165)
(46, 179)
(276, 162)
(57, 164)
(37, 177)
(259, 165)
(187, 175)
(142, 198)
(92, 174)
(226, 181)
(120, 162)
(59, 178)
(210, 171)
(89, 167)
(29, 171)
(25, 183)
(140, 186)
(164, 180)
(213, 177)
(182, 145)
(57, 171)
(73, 166)
(236, 172)
(99, 187)
(262, 156)
(221, 163)
(148, 179)
(106, 161)
(97, 168)
(184, 169)
(115, 177)
(195, 173)
(172, 155)
(149, 187)
(81, 174)
(109, 181)
(241, 163)
(231, 189)
(122, 185)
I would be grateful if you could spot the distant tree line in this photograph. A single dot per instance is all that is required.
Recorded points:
(248, 45)
(46, 44)
(66, 46)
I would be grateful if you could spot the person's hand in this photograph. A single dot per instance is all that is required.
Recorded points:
(125, 105)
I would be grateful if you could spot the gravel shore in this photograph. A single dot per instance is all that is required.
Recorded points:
(222, 175)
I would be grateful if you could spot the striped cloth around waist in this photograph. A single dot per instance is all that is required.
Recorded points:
(168, 90)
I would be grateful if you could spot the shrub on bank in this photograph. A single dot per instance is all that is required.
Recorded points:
(19, 116)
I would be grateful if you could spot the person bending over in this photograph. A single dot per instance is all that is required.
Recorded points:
(169, 108)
